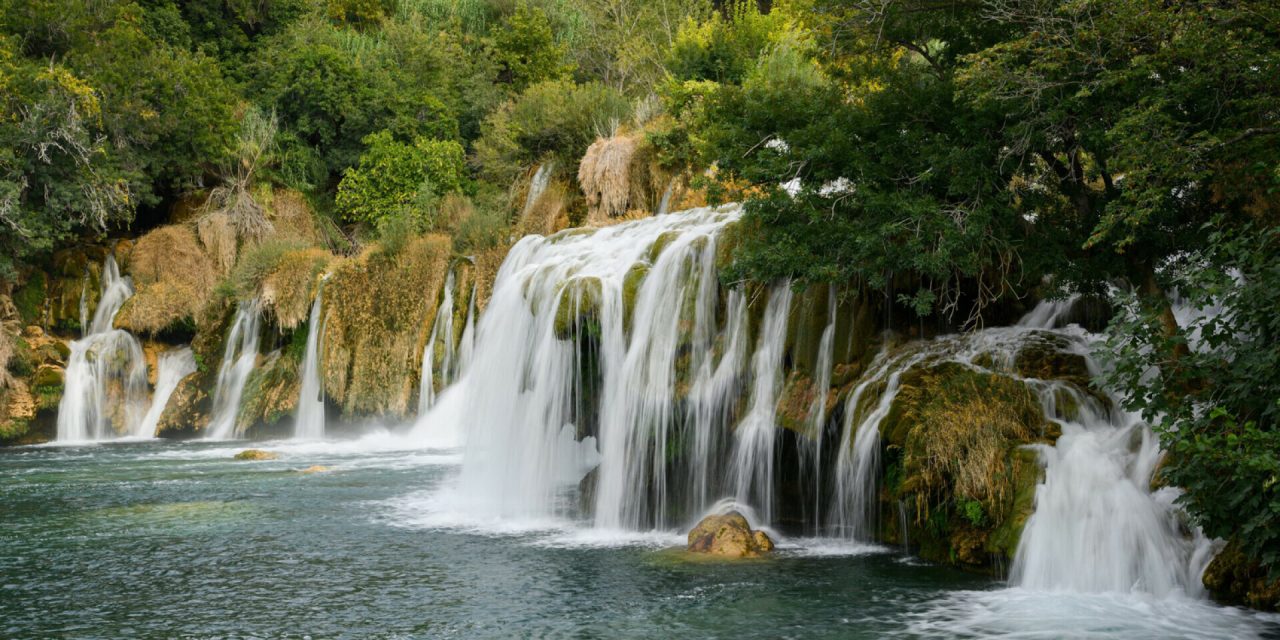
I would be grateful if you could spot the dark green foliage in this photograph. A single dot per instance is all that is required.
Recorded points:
(1213, 390)
(555, 120)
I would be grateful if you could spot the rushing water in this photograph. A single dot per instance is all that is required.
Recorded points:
(156, 540)
(171, 367)
(106, 377)
(238, 359)
(442, 334)
(309, 418)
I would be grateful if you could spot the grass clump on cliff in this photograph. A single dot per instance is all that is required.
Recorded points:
(174, 277)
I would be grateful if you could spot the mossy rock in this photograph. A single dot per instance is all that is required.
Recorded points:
(962, 464)
(578, 306)
(376, 320)
(1046, 356)
(49, 375)
(271, 392)
(256, 454)
(631, 284)
(1234, 578)
(664, 240)
(187, 412)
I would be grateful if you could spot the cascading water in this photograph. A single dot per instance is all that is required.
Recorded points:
(756, 435)
(822, 389)
(537, 185)
(553, 359)
(309, 418)
(1097, 524)
(238, 359)
(674, 306)
(171, 367)
(442, 333)
(467, 343)
(106, 377)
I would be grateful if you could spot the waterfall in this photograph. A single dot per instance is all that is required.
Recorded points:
(818, 408)
(309, 418)
(1098, 526)
(756, 435)
(106, 375)
(441, 331)
(238, 360)
(638, 412)
(171, 367)
(537, 185)
(664, 205)
(467, 344)
(555, 365)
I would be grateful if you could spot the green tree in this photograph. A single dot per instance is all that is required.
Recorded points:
(527, 49)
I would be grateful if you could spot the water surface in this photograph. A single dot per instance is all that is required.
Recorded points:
(154, 539)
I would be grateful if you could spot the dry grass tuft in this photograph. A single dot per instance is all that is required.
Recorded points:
(218, 235)
(291, 216)
(174, 279)
(487, 264)
(287, 290)
(605, 177)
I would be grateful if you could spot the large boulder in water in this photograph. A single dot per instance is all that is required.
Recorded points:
(729, 536)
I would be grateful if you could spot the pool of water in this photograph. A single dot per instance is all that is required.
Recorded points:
(155, 539)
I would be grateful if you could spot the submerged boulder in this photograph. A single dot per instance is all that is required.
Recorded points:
(730, 536)
(256, 454)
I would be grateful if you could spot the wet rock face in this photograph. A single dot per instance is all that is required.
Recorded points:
(1234, 578)
(729, 536)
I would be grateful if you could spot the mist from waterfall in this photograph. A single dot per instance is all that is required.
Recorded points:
(238, 360)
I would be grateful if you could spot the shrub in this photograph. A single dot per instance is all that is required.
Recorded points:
(556, 119)
(391, 176)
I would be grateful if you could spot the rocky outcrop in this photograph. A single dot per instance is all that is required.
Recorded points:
(729, 536)
(1232, 578)
(378, 309)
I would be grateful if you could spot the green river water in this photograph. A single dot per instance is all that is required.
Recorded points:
(160, 540)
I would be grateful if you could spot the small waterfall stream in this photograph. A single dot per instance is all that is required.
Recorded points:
(442, 333)
(106, 376)
(309, 417)
(171, 367)
(238, 359)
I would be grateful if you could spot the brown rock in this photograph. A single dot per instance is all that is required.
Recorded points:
(315, 468)
(729, 536)
(256, 454)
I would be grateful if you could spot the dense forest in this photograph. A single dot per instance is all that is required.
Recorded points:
(957, 157)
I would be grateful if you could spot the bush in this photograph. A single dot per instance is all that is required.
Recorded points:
(555, 120)
(392, 176)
